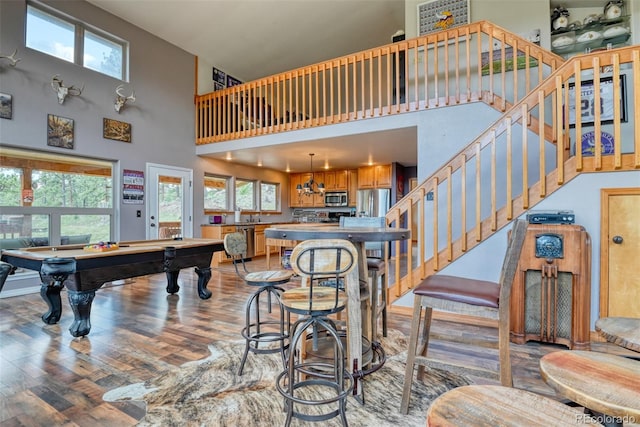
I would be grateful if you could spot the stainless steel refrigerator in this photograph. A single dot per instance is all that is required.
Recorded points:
(373, 203)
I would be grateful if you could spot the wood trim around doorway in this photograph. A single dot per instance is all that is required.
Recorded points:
(605, 194)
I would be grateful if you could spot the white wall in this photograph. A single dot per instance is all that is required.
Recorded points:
(582, 195)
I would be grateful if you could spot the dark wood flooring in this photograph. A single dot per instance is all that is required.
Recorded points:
(49, 378)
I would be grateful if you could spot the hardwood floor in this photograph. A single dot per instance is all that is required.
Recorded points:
(47, 377)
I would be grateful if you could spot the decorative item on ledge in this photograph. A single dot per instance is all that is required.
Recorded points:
(307, 188)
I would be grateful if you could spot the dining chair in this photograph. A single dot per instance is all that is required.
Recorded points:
(259, 331)
(317, 262)
(376, 266)
(466, 297)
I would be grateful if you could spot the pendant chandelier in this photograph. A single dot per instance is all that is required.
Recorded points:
(307, 188)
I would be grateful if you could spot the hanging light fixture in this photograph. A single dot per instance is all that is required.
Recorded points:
(307, 188)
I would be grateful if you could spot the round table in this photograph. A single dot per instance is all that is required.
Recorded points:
(605, 383)
(492, 405)
(623, 331)
(358, 236)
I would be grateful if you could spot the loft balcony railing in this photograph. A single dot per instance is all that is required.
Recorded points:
(467, 64)
(537, 146)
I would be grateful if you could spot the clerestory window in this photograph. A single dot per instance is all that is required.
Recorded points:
(59, 35)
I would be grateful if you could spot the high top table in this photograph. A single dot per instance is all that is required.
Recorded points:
(358, 236)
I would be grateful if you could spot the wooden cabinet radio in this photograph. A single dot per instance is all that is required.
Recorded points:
(551, 295)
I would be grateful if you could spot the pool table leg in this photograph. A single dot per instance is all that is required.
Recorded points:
(53, 273)
(172, 282)
(80, 302)
(51, 295)
(204, 274)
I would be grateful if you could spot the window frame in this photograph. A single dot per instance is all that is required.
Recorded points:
(227, 180)
(79, 36)
(55, 214)
(278, 196)
(254, 200)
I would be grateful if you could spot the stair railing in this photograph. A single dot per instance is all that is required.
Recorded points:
(469, 63)
(546, 139)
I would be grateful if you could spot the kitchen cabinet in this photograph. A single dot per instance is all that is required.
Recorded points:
(294, 199)
(336, 180)
(378, 176)
(260, 241)
(339, 180)
(217, 232)
(318, 198)
(352, 186)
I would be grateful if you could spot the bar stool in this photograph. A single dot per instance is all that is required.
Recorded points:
(256, 330)
(317, 261)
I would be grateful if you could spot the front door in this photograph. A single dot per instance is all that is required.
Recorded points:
(619, 247)
(169, 205)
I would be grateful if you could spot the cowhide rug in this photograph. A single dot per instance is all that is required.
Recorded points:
(209, 393)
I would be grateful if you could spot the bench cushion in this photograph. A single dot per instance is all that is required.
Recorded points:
(459, 289)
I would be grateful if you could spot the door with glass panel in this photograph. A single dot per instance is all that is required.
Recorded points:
(169, 206)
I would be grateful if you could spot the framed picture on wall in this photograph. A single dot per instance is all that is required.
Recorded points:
(6, 106)
(116, 130)
(219, 76)
(60, 132)
(440, 15)
(587, 108)
(232, 81)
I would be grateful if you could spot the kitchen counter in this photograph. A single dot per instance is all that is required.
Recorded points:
(235, 224)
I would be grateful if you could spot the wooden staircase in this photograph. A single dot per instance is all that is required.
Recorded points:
(464, 203)
(522, 158)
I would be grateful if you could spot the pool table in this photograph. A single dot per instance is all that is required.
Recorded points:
(83, 272)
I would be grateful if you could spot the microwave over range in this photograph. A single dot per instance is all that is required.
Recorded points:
(336, 198)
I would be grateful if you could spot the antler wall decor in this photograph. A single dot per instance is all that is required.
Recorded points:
(121, 99)
(62, 91)
(11, 58)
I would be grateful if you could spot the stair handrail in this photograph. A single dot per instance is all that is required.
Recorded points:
(552, 94)
(361, 85)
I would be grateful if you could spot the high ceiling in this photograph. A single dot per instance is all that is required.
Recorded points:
(250, 39)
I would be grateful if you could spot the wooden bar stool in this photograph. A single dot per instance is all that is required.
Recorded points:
(468, 297)
(255, 331)
(317, 262)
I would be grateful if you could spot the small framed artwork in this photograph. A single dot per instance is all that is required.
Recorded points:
(587, 102)
(440, 15)
(219, 77)
(232, 81)
(60, 132)
(6, 106)
(116, 130)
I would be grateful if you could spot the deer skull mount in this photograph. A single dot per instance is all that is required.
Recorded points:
(62, 91)
(121, 99)
(11, 58)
